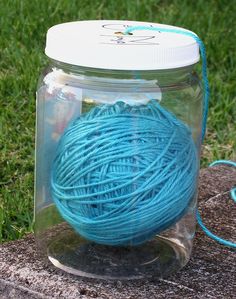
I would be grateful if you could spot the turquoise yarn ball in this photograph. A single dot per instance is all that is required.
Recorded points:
(123, 173)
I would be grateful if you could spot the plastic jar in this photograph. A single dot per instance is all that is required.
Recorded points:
(117, 150)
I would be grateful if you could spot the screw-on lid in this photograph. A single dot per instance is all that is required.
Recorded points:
(101, 44)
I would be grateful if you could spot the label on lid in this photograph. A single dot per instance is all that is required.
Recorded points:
(103, 44)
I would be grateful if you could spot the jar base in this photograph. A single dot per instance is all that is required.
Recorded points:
(158, 257)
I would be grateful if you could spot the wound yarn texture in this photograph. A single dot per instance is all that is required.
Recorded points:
(124, 173)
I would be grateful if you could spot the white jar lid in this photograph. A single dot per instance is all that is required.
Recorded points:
(98, 44)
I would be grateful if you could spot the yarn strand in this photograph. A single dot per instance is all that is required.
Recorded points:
(205, 113)
(124, 173)
(204, 63)
(233, 195)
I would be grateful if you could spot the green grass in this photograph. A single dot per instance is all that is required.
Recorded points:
(23, 26)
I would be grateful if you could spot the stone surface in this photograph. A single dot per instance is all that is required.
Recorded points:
(209, 274)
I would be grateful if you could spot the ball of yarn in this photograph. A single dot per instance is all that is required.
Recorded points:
(124, 173)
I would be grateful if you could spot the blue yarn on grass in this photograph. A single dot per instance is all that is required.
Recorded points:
(124, 173)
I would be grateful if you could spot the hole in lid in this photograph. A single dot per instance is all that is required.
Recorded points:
(122, 33)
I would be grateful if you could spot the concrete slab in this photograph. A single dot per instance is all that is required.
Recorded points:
(209, 274)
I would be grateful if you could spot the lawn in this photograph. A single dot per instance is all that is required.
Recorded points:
(23, 27)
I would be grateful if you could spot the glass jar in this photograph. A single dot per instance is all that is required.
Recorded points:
(117, 160)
